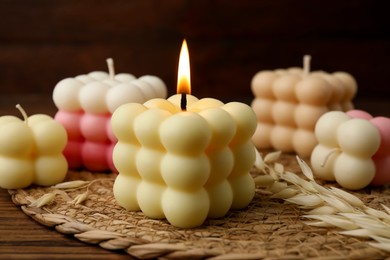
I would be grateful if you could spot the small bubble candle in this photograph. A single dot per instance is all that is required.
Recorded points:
(353, 149)
(31, 151)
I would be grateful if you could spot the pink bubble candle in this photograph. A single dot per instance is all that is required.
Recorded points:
(85, 104)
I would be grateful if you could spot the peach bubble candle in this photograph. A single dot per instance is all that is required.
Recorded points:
(184, 159)
(288, 103)
(85, 105)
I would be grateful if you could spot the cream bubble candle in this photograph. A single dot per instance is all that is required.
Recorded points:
(85, 105)
(184, 159)
(288, 102)
(353, 149)
(31, 151)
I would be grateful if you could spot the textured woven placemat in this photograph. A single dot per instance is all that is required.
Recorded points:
(267, 229)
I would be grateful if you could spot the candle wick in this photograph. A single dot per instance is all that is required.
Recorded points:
(326, 159)
(23, 112)
(111, 69)
(183, 102)
(306, 65)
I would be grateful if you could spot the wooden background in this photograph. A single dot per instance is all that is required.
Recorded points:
(44, 41)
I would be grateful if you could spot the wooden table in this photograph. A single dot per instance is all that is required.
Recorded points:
(23, 238)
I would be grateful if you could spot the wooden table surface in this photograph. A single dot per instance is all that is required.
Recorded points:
(23, 238)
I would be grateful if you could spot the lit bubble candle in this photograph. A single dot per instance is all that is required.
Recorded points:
(184, 159)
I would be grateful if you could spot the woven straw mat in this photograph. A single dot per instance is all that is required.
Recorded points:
(267, 229)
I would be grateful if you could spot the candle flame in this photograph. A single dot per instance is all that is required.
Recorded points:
(183, 77)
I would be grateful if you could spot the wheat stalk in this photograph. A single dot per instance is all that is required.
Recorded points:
(329, 207)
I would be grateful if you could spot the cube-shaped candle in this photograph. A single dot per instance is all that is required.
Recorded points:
(353, 149)
(184, 159)
(289, 102)
(31, 151)
(85, 105)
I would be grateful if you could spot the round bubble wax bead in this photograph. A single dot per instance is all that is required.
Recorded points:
(185, 133)
(245, 120)
(158, 85)
(98, 75)
(149, 196)
(50, 169)
(93, 97)
(222, 126)
(146, 89)
(359, 114)
(327, 125)
(304, 142)
(16, 138)
(313, 90)
(261, 84)
(284, 87)
(243, 188)
(185, 173)
(124, 157)
(244, 157)
(66, 94)
(146, 127)
(93, 127)
(185, 209)
(358, 137)
(84, 78)
(49, 135)
(352, 172)
(263, 108)
(221, 199)
(122, 121)
(221, 165)
(71, 122)
(94, 156)
(124, 77)
(16, 173)
(148, 164)
(382, 174)
(283, 113)
(204, 104)
(125, 191)
(262, 136)
(123, 93)
(383, 126)
(162, 104)
(306, 116)
(350, 88)
(322, 161)
(281, 138)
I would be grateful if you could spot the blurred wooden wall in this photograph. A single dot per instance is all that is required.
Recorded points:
(44, 41)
